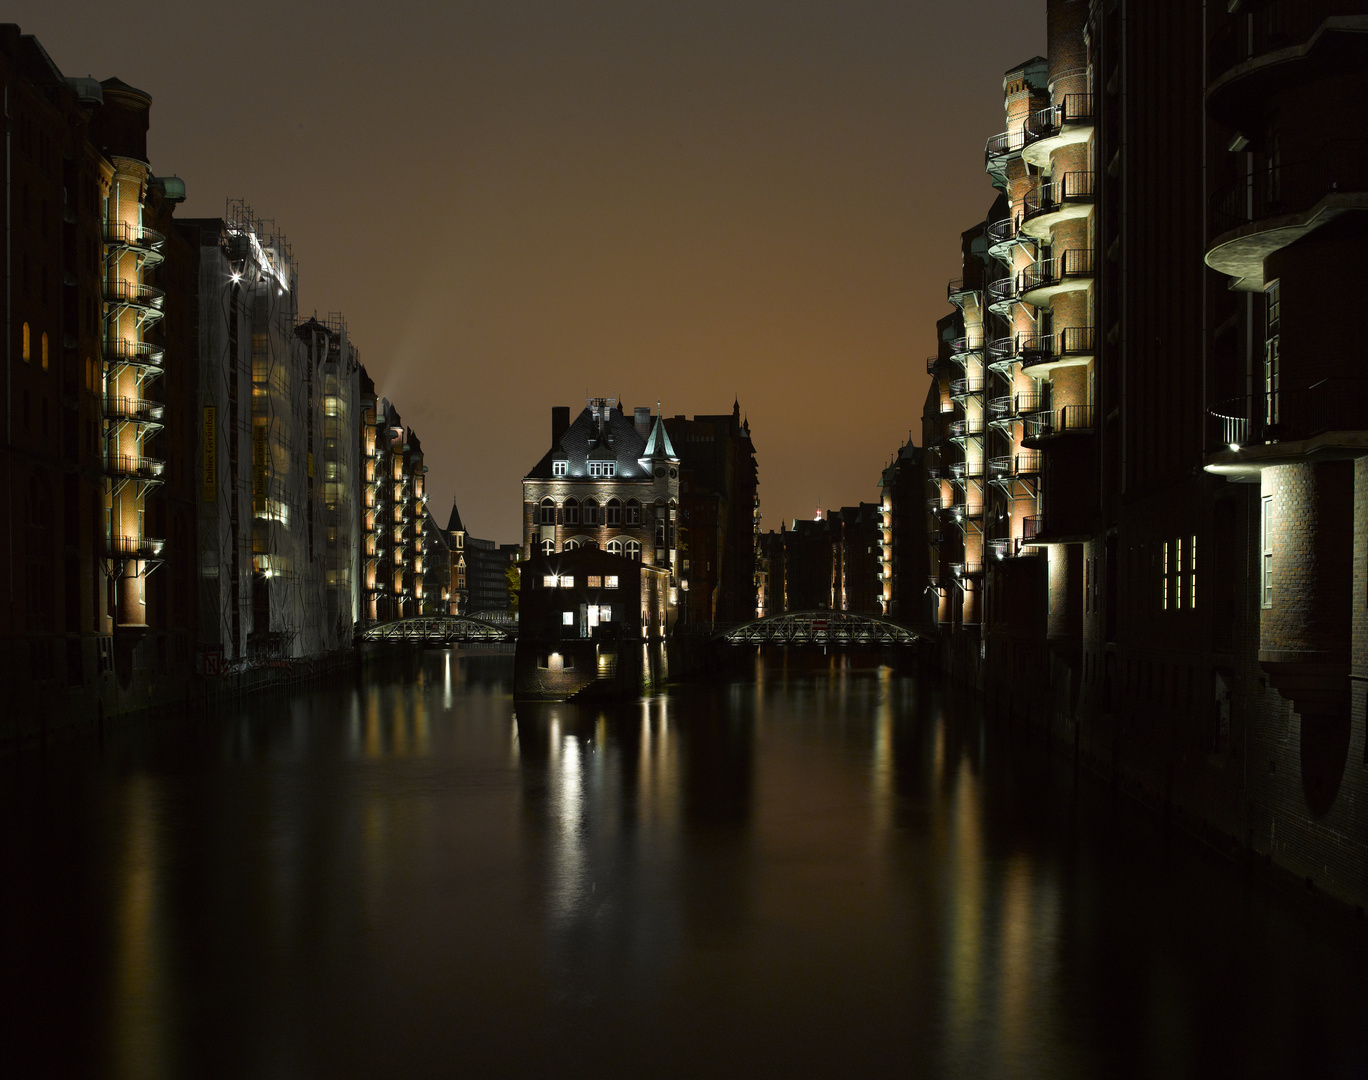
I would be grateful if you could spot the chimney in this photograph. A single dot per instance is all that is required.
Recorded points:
(641, 417)
(560, 422)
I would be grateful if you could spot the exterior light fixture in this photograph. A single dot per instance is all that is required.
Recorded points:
(1234, 446)
(236, 277)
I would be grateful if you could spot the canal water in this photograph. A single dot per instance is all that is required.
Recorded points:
(826, 870)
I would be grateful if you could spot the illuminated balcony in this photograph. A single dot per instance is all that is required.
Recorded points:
(134, 547)
(1042, 353)
(133, 294)
(965, 348)
(1048, 129)
(1025, 463)
(139, 354)
(1002, 294)
(1070, 271)
(134, 466)
(1268, 48)
(1023, 403)
(1252, 432)
(1069, 197)
(1265, 211)
(962, 570)
(936, 504)
(961, 294)
(966, 387)
(968, 428)
(1069, 420)
(999, 150)
(933, 365)
(1003, 236)
(966, 470)
(141, 411)
(933, 472)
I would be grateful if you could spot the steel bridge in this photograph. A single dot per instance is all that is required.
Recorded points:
(821, 628)
(440, 630)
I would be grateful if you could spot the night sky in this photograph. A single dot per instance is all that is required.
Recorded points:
(514, 204)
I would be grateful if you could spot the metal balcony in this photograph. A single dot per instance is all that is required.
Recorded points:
(134, 465)
(967, 428)
(1047, 204)
(1042, 353)
(1002, 294)
(966, 470)
(1254, 430)
(962, 348)
(1046, 130)
(932, 364)
(1068, 272)
(140, 354)
(966, 569)
(133, 294)
(966, 387)
(141, 411)
(1003, 236)
(135, 547)
(1068, 420)
(959, 293)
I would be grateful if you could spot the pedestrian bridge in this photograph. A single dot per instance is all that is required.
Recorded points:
(442, 630)
(821, 628)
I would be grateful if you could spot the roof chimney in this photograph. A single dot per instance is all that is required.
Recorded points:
(641, 418)
(560, 422)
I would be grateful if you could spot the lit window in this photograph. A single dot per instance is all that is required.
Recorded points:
(605, 614)
(1165, 573)
(549, 581)
(603, 468)
(610, 582)
(548, 546)
(594, 581)
(567, 581)
(614, 547)
(568, 618)
(45, 352)
(1192, 573)
(633, 550)
(558, 468)
(24, 353)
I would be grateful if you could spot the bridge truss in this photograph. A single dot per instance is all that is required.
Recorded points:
(821, 628)
(439, 630)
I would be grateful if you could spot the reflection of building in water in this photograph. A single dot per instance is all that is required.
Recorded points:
(587, 622)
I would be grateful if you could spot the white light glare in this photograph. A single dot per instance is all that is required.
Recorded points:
(1234, 446)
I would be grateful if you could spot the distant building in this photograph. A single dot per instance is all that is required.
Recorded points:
(903, 563)
(474, 571)
(393, 509)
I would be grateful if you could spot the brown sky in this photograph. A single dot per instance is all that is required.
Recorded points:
(513, 203)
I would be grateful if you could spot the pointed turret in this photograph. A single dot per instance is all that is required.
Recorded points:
(659, 445)
(454, 522)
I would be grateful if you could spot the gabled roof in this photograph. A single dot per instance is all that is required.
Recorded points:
(617, 440)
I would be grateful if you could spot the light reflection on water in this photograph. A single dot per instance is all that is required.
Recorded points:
(829, 869)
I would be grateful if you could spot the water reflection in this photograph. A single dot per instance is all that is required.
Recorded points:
(827, 869)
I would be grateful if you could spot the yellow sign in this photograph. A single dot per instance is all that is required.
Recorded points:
(210, 459)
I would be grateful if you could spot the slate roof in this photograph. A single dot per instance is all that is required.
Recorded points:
(454, 522)
(618, 441)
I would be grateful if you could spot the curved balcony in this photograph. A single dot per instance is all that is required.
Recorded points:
(933, 472)
(146, 298)
(1067, 421)
(966, 387)
(1003, 236)
(959, 293)
(1002, 294)
(144, 242)
(134, 411)
(1064, 199)
(966, 569)
(1267, 210)
(1070, 271)
(965, 348)
(933, 365)
(966, 470)
(1000, 149)
(134, 547)
(1042, 353)
(936, 503)
(966, 429)
(1251, 432)
(1023, 463)
(139, 354)
(134, 466)
(1048, 129)
(1267, 48)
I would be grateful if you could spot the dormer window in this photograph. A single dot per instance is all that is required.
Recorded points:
(558, 468)
(603, 468)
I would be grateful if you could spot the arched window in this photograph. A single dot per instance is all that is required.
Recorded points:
(590, 512)
(633, 550)
(633, 512)
(614, 547)
(572, 511)
(612, 513)
(570, 545)
(24, 353)
(589, 545)
(548, 546)
(548, 512)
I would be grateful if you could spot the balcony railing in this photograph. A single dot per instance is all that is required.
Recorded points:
(1070, 419)
(1075, 109)
(1290, 415)
(1267, 27)
(124, 234)
(1003, 145)
(966, 346)
(959, 290)
(1032, 526)
(144, 547)
(1004, 232)
(1002, 291)
(138, 410)
(1025, 463)
(933, 472)
(124, 351)
(1072, 187)
(935, 504)
(1072, 341)
(932, 364)
(1340, 166)
(1073, 263)
(966, 569)
(147, 468)
(964, 387)
(960, 470)
(132, 292)
(961, 429)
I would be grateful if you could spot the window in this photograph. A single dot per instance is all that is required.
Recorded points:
(547, 515)
(567, 581)
(572, 511)
(1192, 573)
(610, 582)
(633, 512)
(1165, 572)
(570, 545)
(613, 513)
(1266, 552)
(558, 468)
(603, 468)
(1272, 377)
(605, 614)
(594, 581)
(614, 547)
(633, 550)
(44, 352)
(549, 581)
(24, 352)
(548, 546)
(590, 512)
(567, 618)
